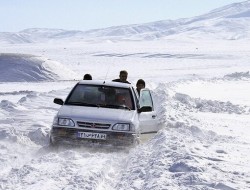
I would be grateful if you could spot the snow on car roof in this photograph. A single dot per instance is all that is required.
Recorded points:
(107, 83)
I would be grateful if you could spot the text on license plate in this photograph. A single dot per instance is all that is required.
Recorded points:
(88, 135)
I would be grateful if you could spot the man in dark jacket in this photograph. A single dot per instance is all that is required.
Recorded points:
(122, 77)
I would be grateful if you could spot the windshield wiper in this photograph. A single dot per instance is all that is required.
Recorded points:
(98, 105)
(82, 104)
(116, 106)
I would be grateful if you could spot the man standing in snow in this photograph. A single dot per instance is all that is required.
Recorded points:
(122, 77)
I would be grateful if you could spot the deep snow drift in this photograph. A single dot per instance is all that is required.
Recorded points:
(20, 67)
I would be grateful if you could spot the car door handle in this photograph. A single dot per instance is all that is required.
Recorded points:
(153, 116)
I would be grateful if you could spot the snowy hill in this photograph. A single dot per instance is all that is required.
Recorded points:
(229, 22)
(12, 38)
(28, 68)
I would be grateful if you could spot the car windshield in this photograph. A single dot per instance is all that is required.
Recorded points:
(101, 96)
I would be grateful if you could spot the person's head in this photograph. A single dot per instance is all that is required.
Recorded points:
(123, 75)
(87, 77)
(140, 84)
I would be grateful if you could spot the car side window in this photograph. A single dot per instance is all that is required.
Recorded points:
(123, 97)
(145, 98)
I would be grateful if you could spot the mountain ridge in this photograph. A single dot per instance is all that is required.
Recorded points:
(230, 21)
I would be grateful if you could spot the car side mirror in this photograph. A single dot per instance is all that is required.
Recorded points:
(145, 109)
(58, 101)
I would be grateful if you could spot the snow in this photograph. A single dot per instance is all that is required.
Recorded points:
(29, 68)
(200, 88)
(228, 23)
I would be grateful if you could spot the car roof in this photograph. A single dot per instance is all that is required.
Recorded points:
(105, 83)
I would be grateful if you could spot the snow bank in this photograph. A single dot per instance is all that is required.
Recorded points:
(238, 75)
(14, 136)
(10, 106)
(169, 161)
(213, 106)
(30, 68)
(39, 136)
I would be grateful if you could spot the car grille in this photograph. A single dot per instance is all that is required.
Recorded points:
(93, 125)
(69, 136)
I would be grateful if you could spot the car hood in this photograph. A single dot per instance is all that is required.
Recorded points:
(97, 114)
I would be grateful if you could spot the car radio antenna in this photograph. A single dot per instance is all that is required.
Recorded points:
(106, 74)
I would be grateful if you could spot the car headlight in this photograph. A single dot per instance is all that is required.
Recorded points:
(66, 122)
(121, 127)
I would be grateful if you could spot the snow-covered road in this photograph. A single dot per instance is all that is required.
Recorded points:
(202, 102)
(204, 144)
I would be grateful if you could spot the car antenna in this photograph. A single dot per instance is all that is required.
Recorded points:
(106, 75)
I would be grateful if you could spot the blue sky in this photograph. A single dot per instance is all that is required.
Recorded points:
(16, 15)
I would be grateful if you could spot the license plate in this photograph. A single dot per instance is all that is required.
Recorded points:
(88, 135)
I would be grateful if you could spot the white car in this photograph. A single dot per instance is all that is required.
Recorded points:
(107, 113)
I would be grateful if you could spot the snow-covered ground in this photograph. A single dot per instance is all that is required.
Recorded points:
(203, 104)
(201, 90)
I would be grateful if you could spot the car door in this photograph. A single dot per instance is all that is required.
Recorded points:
(147, 114)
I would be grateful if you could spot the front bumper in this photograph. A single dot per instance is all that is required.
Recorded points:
(62, 135)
